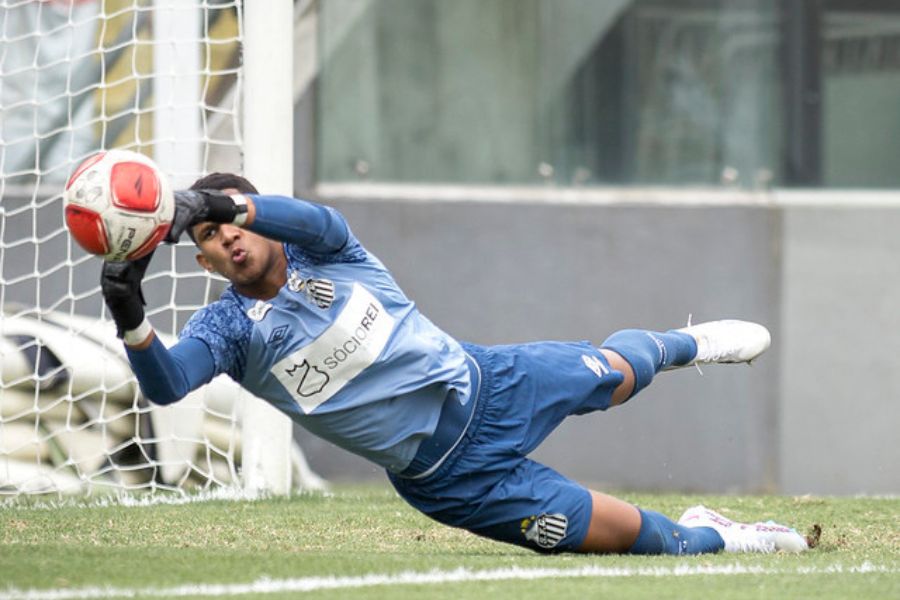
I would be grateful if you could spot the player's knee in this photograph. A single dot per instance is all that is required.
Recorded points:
(639, 350)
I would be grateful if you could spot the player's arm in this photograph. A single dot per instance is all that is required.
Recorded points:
(306, 224)
(165, 375)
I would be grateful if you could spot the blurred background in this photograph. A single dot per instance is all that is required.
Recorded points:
(541, 169)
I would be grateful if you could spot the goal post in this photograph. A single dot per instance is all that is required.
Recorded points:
(268, 113)
(200, 87)
(176, 89)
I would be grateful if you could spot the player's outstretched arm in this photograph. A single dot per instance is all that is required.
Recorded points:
(165, 376)
(120, 283)
(307, 224)
(312, 226)
(168, 375)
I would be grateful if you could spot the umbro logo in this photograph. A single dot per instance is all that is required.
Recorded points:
(277, 336)
(595, 364)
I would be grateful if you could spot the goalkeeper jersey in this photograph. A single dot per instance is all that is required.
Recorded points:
(341, 350)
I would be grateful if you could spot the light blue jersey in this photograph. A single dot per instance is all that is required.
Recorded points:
(342, 351)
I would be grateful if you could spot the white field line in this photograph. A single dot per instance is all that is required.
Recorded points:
(461, 575)
(138, 500)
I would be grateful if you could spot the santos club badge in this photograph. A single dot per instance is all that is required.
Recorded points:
(319, 291)
(545, 530)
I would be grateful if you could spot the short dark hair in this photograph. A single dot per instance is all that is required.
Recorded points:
(221, 181)
(224, 181)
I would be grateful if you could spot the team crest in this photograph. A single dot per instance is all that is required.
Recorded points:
(545, 530)
(319, 291)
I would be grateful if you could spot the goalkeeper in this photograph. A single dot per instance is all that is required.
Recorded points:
(316, 325)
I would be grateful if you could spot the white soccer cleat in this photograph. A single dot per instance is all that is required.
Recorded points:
(765, 537)
(728, 341)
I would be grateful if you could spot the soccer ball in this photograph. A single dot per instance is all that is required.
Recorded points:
(118, 205)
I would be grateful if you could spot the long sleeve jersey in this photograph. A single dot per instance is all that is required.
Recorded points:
(340, 348)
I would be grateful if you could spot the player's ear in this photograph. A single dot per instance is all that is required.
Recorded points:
(203, 262)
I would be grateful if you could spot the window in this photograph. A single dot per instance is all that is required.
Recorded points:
(625, 92)
(860, 62)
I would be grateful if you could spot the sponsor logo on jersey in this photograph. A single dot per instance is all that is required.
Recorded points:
(545, 530)
(355, 339)
(258, 311)
(595, 364)
(311, 380)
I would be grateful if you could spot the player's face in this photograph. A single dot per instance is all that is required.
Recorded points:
(253, 263)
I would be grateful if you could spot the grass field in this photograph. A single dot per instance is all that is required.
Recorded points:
(363, 542)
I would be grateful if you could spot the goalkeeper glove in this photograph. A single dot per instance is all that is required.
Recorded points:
(197, 206)
(120, 283)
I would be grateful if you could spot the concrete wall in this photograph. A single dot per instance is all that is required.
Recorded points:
(815, 415)
(839, 399)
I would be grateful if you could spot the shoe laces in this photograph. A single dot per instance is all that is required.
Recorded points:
(717, 350)
(696, 364)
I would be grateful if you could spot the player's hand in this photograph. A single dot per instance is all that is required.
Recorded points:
(197, 206)
(120, 283)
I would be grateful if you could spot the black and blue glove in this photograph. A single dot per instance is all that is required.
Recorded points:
(120, 283)
(197, 206)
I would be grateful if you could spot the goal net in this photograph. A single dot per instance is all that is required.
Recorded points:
(163, 78)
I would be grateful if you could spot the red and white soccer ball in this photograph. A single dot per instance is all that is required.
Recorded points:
(118, 205)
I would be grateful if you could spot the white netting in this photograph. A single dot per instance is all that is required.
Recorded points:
(77, 76)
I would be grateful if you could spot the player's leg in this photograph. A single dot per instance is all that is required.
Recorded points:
(641, 354)
(534, 506)
(619, 527)
(614, 527)
(624, 390)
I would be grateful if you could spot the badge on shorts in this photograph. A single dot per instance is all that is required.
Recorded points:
(546, 530)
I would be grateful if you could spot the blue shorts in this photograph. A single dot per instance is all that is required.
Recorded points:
(486, 484)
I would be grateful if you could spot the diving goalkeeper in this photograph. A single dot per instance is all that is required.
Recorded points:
(315, 324)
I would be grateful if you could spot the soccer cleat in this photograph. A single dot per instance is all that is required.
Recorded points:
(765, 537)
(727, 341)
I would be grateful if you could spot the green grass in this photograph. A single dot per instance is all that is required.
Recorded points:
(366, 530)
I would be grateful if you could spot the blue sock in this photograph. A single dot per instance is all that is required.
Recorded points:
(661, 535)
(648, 352)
